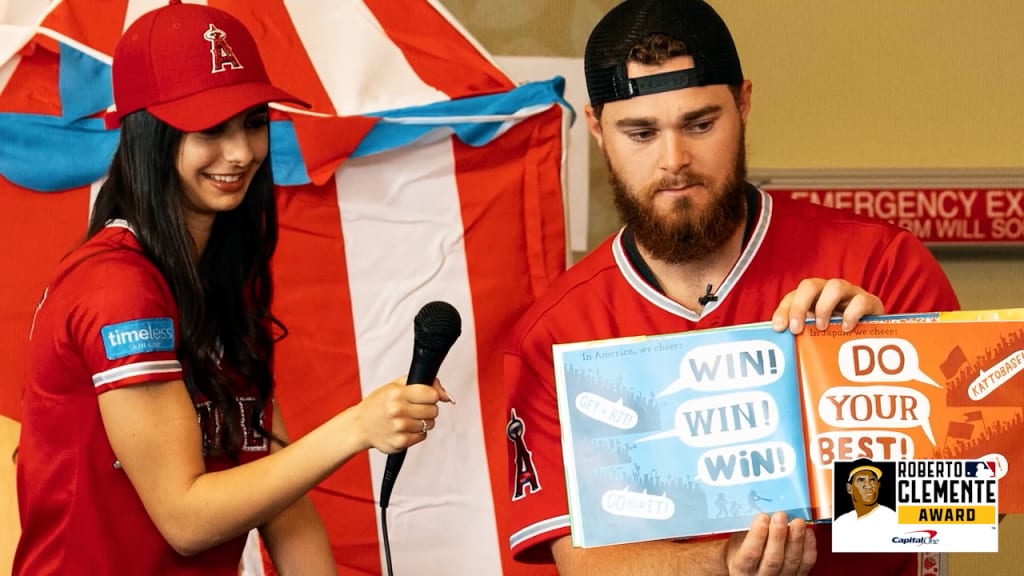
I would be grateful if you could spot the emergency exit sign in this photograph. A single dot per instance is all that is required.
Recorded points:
(940, 215)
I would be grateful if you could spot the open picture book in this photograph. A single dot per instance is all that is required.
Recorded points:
(678, 435)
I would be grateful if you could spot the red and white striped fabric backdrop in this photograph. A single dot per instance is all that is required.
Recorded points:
(366, 241)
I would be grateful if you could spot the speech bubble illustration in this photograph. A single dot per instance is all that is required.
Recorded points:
(723, 419)
(876, 407)
(746, 463)
(1001, 372)
(606, 411)
(729, 366)
(727, 419)
(881, 360)
(872, 444)
(637, 504)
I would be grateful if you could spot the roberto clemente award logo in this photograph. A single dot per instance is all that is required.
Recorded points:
(916, 505)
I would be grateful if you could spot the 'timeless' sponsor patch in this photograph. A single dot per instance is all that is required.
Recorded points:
(138, 337)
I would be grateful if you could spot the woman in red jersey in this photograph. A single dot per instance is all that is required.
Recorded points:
(150, 441)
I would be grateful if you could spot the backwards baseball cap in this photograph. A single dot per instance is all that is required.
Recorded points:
(692, 22)
(192, 66)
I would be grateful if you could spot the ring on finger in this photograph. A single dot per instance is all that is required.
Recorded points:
(424, 430)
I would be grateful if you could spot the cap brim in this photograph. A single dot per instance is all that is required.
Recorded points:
(208, 108)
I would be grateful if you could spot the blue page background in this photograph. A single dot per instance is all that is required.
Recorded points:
(614, 455)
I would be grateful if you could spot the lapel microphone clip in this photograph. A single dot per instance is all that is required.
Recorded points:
(707, 297)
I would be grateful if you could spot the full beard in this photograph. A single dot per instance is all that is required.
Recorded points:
(687, 234)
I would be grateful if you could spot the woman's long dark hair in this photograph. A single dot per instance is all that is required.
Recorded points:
(224, 298)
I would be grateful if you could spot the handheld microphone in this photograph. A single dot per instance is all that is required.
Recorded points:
(707, 297)
(436, 327)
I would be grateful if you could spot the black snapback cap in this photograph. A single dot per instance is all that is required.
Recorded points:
(692, 22)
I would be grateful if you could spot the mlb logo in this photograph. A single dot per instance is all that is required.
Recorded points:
(980, 469)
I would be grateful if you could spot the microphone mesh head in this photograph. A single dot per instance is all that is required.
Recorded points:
(437, 325)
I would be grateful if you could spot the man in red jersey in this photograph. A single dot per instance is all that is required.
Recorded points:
(701, 248)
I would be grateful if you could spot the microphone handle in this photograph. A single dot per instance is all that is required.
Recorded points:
(422, 371)
(394, 464)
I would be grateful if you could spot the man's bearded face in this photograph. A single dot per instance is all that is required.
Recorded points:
(687, 231)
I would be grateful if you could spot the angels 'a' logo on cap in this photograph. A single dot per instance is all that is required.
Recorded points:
(221, 54)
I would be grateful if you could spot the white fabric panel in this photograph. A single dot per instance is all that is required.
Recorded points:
(252, 559)
(94, 190)
(7, 69)
(18, 22)
(442, 498)
(359, 66)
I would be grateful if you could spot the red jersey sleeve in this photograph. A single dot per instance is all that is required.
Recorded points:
(122, 322)
(539, 508)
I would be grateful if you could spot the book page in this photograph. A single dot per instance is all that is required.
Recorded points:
(680, 435)
(917, 387)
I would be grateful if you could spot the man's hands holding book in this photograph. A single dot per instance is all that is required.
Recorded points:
(772, 547)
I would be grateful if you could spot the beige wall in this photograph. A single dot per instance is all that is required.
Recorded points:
(842, 85)
(846, 85)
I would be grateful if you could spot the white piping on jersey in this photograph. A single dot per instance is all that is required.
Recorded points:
(120, 223)
(137, 369)
(537, 529)
(636, 281)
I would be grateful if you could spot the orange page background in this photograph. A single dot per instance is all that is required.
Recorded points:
(867, 396)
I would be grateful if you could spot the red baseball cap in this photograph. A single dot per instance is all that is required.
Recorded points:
(191, 66)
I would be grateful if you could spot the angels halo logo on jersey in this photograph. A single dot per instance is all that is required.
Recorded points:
(525, 472)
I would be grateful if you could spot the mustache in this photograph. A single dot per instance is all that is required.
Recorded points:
(681, 181)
